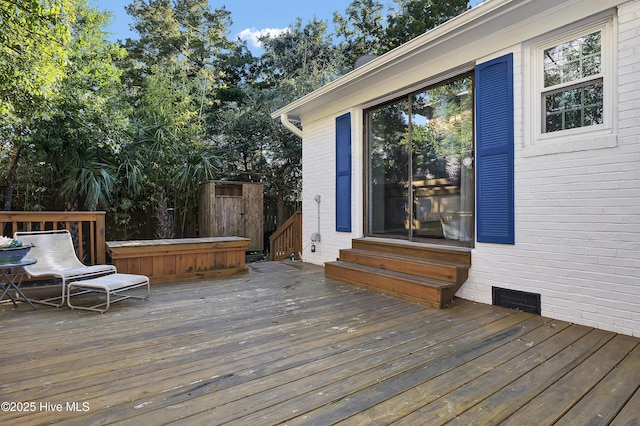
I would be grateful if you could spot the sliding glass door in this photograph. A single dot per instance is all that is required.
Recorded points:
(388, 132)
(420, 178)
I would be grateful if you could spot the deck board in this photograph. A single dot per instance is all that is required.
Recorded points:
(558, 398)
(497, 407)
(403, 404)
(609, 400)
(285, 344)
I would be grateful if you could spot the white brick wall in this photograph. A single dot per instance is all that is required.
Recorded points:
(577, 215)
(318, 178)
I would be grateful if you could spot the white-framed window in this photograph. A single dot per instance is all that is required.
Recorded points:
(571, 82)
(572, 93)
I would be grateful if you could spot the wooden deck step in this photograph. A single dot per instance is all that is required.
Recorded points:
(446, 253)
(424, 273)
(428, 291)
(437, 269)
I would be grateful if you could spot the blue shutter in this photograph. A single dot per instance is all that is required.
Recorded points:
(343, 173)
(494, 151)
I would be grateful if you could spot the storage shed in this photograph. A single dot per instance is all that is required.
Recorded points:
(232, 209)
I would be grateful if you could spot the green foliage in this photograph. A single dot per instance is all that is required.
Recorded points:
(415, 17)
(80, 139)
(184, 32)
(175, 73)
(138, 125)
(258, 149)
(32, 59)
(302, 58)
(32, 52)
(80, 125)
(362, 29)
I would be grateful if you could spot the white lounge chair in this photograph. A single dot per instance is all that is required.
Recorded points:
(57, 258)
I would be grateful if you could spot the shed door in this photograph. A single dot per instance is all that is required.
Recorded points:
(229, 215)
(252, 218)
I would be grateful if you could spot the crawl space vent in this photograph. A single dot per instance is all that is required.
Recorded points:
(514, 299)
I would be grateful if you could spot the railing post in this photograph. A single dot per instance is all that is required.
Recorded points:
(297, 235)
(100, 244)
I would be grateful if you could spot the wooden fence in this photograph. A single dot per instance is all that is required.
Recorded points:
(87, 229)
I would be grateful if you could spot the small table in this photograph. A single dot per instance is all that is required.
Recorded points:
(10, 273)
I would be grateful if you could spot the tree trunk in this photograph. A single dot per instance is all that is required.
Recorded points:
(164, 216)
(280, 213)
(11, 177)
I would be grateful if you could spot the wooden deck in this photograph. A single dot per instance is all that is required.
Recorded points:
(283, 344)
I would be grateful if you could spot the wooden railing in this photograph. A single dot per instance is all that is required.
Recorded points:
(87, 229)
(287, 240)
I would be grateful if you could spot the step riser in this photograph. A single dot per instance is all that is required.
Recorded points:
(439, 272)
(421, 252)
(400, 288)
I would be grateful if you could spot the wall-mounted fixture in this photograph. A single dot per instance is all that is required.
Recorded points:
(315, 237)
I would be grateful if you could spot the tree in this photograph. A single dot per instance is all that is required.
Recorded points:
(302, 58)
(362, 31)
(169, 155)
(87, 128)
(256, 148)
(415, 17)
(32, 50)
(67, 134)
(32, 58)
(175, 75)
(184, 30)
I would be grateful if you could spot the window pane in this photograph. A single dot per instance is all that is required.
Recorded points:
(442, 159)
(591, 64)
(573, 60)
(575, 107)
(388, 128)
(553, 122)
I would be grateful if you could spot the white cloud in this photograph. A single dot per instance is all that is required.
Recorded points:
(253, 35)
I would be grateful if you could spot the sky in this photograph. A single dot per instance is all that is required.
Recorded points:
(250, 17)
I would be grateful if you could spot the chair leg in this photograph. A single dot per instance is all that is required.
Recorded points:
(50, 300)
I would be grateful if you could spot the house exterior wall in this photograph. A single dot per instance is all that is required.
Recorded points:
(577, 201)
(577, 211)
(318, 178)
